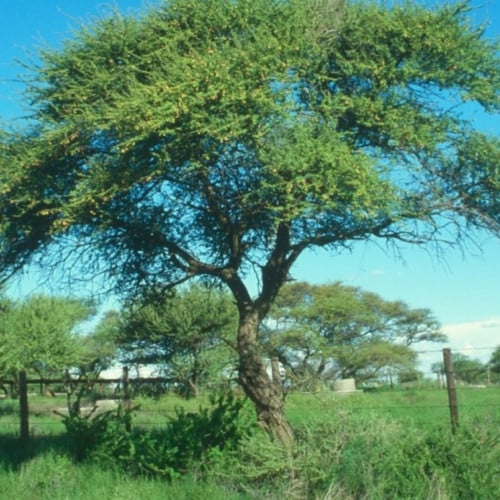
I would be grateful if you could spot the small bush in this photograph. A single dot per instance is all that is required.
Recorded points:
(106, 434)
(469, 461)
(191, 437)
(275, 471)
(187, 438)
(341, 455)
(222, 427)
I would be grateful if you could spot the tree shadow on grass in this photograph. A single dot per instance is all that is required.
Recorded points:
(9, 408)
(14, 452)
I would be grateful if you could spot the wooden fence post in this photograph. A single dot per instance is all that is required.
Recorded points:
(126, 389)
(23, 407)
(126, 395)
(450, 384)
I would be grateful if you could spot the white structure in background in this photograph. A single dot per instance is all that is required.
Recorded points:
(135, 371)
(345, 386)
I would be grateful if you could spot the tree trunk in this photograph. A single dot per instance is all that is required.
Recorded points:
(193, 384)
(275, 373)
(195, 378)
(258, 386)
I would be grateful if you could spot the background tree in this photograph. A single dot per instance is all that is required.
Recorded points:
(337, 330)
(468, 370)
(465, 368)
(205, 138)
(188, 334)
(98, 349)
(494, 365)
(6, 306)
(38, 335)
(372, 359)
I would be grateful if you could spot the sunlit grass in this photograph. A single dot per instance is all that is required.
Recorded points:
(410, 406)
(52, 476)
(336, 435)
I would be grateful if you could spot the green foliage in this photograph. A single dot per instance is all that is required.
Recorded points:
(412, 376)
(187, 438)
(38, 334)
(98, 349)
(459, 458)
(320, 331)
(50, 475)
(106, 434)
(407, 468)
(340, 452)
(494, 363)
(205, 139)
(222, 427)
(465, 369)
(187, 334)
(368, 458)
(337, 123)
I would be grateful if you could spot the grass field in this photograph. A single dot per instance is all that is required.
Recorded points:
(408, 406)
(391, 444)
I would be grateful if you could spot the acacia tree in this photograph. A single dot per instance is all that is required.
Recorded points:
(349, 331)
(213, 137)
(494, 362)
(98, 349)
(6, 306)
(188, 334)
(465, 368)
(38, 334)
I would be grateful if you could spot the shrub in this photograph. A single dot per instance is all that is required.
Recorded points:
(106, 434)
(468, 461)
(222, 427)
(191, 437)
(187, 438)
(401, 462)
(346, 456)
(267, 469)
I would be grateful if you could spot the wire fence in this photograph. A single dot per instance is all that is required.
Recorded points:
(401, 404)
(423, 402)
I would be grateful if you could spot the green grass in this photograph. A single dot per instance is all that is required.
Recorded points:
(379, 445)
(52, 476)
(421, 408)
(411, 407)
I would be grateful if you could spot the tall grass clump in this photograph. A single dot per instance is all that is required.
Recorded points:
(54, 476)
(352, 458)
(267, 469)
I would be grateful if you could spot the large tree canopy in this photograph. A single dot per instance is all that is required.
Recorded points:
(212, 137)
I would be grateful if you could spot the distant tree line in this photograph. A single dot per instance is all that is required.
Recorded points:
(317, 333)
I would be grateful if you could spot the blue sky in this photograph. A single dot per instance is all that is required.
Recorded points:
(462, 290)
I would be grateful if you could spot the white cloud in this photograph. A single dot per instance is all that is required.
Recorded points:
(468, 350)
(475, 334)
(476, 339)
(376, 272)
(491, 324)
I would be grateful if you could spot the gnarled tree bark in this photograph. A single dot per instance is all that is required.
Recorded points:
(258, 385)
